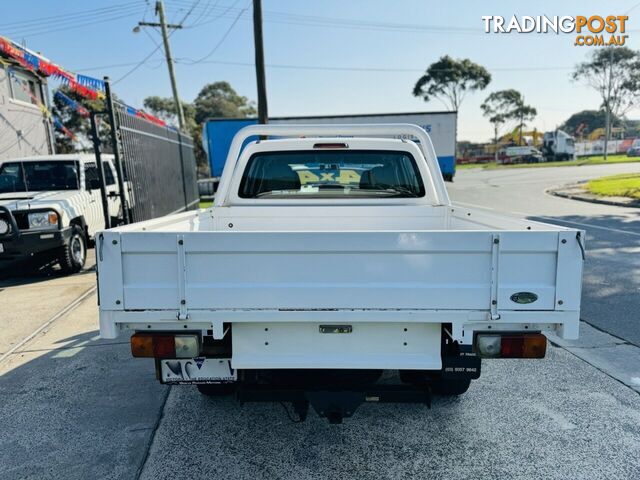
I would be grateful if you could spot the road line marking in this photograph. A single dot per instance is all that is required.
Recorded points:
(617, 230)
(61, 313)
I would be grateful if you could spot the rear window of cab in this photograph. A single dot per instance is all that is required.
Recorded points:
(332, 174)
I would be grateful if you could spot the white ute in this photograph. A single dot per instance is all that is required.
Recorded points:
(51, 208)
(329, 257)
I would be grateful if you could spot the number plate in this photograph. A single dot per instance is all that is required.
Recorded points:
(198, 370)
(1, 248)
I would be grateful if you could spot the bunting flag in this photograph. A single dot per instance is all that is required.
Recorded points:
(71, 103)
(134, 112)
(87, 87)
(90, 82)
(60, 126)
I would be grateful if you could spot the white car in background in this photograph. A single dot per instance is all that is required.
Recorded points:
(51, 208)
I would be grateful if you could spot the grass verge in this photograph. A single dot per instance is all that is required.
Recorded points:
(206, 203)
(598, 160)
(626, 185)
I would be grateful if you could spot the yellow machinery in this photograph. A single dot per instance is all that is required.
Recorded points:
(513, 139)
(599, 133)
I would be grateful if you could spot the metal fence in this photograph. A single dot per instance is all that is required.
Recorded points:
(159, 167)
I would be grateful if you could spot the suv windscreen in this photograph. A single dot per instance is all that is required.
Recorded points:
(38, 176)
(332, 174)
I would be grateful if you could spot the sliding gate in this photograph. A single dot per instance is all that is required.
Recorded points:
(159, 167)
(155, 164)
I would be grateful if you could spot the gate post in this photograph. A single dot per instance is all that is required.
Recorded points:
(184, 182)
(116, 151)
(103, 189)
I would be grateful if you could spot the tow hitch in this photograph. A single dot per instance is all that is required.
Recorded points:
(334, 405)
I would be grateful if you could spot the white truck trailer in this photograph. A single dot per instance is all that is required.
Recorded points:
(329, 257)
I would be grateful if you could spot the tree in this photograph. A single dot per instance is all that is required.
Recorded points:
(584, 122)
(219, 99)
(76, 123)
(614, 72)
(449, 80)
(503, 106)
(165, 109)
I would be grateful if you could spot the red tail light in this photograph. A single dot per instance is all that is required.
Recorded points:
(525, 345)
(163, 345)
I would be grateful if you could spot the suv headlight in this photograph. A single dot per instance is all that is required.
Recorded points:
(4, 227)
(43, 220)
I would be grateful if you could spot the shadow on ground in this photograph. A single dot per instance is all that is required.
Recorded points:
(84, 409)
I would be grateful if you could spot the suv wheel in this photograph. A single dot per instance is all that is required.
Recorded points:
(74, 252)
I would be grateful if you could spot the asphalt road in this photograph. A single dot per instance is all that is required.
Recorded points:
(74, 406)
(611, 288)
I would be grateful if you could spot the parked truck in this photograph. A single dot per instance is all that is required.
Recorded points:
(333, 270)
(558, 145)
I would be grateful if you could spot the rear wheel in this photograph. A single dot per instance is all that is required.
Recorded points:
(74, 252)
(217, 389)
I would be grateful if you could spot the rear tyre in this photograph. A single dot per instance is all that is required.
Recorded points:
(217, 389)
(74, 253)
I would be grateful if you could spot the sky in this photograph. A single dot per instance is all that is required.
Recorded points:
(323, 57)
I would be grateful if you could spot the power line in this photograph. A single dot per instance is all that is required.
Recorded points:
(145, 59)
(222, 39)
(83, 13)
(114, 65)
(215, 18)
(205, 11)
(138, 65)
(195, 4)
(367, 69)
(334, 22)
(321, 67)
(65, 26)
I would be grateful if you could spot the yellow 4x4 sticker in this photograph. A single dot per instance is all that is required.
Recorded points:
(342, 177)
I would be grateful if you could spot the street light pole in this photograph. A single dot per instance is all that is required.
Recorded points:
(263, 115)
(164, 28)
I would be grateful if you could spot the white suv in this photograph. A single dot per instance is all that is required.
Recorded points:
(51, 208)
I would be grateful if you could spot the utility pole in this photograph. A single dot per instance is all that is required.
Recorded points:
(521, 121)
(263, 114)
(607, 126)
(164, 28)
